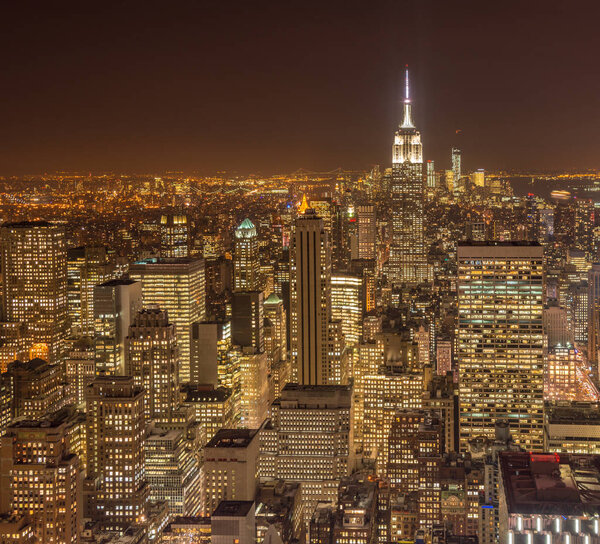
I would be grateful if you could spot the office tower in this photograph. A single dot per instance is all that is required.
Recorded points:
(173, 236)
(41, 479)
(367, 231)
(408, 261)
(115, 304)
(80, 365)
(593, 301)
(230, 467)
(210, 342)
(310, 299)
(213, 408)
(274, 312)
(456, 163)
(310, 440)
(34, 283)
(577, 302)
(247, 320)
(172, 471)
(556, 326)
(116, 488)
(152, 358)
(431, 178)
(346, 305)
(86, 267)
(246, 258)
(478, 178)
(356, 518)
(500, 293)
(38, 388)
(393, 388)
(559, 510)
(254, 397)
(176, 285)
(368, 360)
(321, 524)
(233, 521)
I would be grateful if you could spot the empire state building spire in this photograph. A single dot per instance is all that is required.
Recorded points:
(407, 121)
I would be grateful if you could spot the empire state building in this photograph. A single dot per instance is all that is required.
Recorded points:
(408, 261)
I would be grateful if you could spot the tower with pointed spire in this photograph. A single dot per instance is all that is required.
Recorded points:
(408, 260)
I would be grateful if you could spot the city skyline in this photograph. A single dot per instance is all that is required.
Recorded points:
(264, 90)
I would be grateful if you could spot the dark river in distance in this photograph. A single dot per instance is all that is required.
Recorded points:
(579, 188)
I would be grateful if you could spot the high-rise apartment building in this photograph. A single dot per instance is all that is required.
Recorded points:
(40, 478)
(116, 302)
(246, 259)
(501, 340)
(176, 285)
(408, 259)
(116, 489)
(86, 267)
(152, 358)
(34, 283)
(310, 299)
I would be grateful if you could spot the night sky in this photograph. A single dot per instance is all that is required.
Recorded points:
(274, 86)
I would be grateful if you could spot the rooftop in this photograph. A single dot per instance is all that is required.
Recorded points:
(116, 282)
(233, 508)
(551, 483)
(232, 438)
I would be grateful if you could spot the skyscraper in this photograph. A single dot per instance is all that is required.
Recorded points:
(501, 340)
(41, 478)
(152, 358)
(86, 267)
(367, 231)
(310, 300)
(176, 285)
(593, 300)
(34, 283)
(173, 236)
(408, 261)
(456, 164)
(246, 262)
(116, 488)
(116, 302)
(431, 179)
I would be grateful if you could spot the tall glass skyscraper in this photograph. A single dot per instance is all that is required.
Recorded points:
(408, 262)
(501, 340)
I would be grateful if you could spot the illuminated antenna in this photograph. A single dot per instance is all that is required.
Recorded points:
(407, 121)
